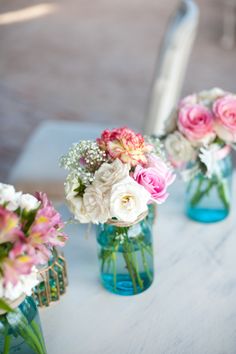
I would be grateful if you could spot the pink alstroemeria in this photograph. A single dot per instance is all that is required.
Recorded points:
(16, 264)
(49, 220)
(45, 232)
(9, 226)
(126, 145)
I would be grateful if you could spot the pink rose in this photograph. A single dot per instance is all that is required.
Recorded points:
(155, 179)
(224, 110)
(196, 123)
(162, 168)
(188, 100)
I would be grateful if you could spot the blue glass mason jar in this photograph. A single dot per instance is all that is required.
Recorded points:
(20, 330)
(151, 213)
(208, 200)
(126, 257)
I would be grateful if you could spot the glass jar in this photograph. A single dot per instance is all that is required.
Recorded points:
(209, 199)
(126, 257)
(20, 330)
(151, 213)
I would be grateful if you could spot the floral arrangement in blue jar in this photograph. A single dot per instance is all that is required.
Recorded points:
(201, 133)
(111, 183)
(29, 229)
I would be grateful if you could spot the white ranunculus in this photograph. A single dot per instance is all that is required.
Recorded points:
(29, 281)
(8, 195)
(15, 202)
(7, 191)
(28, 202)
(24, 286)
(96, 204)
(128, 200)
(76, 206)
(178, 148)
(111, 173)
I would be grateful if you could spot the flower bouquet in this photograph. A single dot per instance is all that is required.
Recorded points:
(111, 182)
(200, 134)
(29, 228)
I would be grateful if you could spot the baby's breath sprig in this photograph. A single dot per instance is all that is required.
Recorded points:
(158, 146)
(84, 158)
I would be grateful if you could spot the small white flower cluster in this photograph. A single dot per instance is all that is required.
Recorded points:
(112, 194)
(14, 200)
(24, 285)
(84, 159)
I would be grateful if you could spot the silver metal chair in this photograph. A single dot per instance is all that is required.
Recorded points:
(172, 62)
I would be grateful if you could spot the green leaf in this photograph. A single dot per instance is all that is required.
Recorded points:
(5, 307)
(222, 191)
(80, 189)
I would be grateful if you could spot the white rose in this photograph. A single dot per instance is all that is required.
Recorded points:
(76, 206)
(96, 204)
(71, 184)
(28, 202)
(128, 200)
(224, 134)
(178, 148)
(208, 96)
(111, 173)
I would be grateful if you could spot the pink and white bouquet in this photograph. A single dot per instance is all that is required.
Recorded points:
(29, 228)
(199, 138)
(115, 177)
(201, 131)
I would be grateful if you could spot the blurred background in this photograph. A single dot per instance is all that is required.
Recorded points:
(94, 61)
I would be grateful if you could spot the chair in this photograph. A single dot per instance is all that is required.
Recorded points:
(37, 168)
(172, 63)
(229, 24)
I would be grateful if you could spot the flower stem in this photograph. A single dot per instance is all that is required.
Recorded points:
(201, 193)
(145, 264)
(114, 269)
(134, 262)
(32, 340)
(35, 327)
(130, 270)
(7, 339)
(223, 193)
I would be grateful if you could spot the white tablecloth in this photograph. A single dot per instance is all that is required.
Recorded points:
(189, 309)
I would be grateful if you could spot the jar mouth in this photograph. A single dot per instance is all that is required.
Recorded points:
(13, 304)
(119, 223)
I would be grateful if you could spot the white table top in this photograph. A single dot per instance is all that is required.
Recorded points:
(189, 309)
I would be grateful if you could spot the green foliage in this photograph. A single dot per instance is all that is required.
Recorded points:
(5, 307)
(80, 189)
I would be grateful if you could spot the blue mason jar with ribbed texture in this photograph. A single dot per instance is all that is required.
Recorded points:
(20, 330)
(208, 200)
(126, 257)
